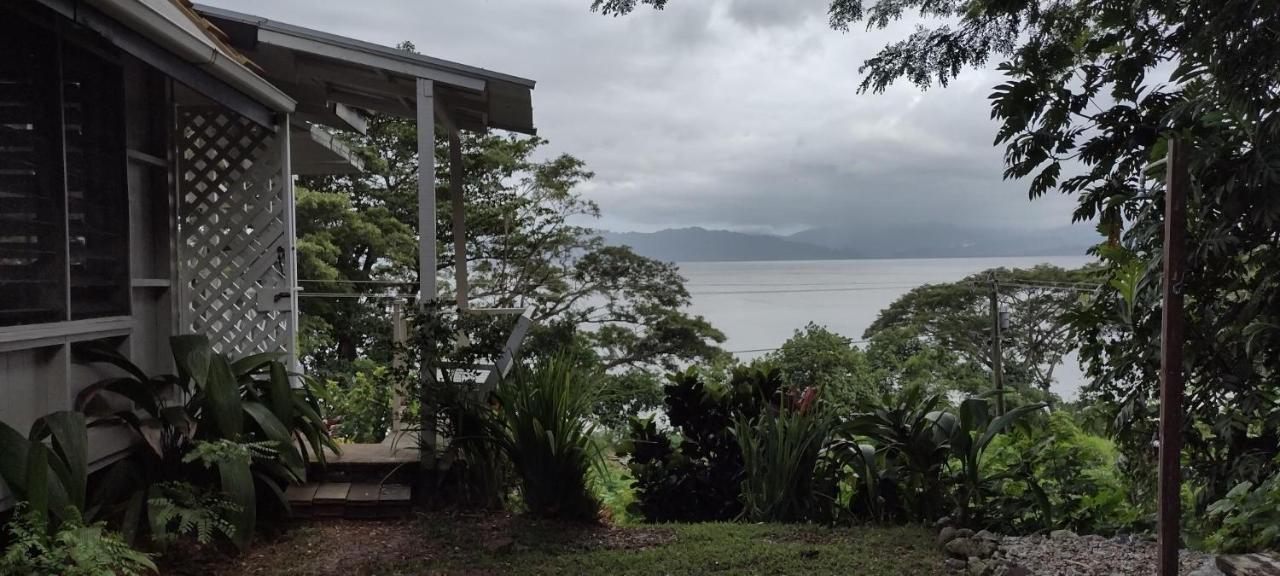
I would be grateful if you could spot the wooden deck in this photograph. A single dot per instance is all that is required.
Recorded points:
(371, 455)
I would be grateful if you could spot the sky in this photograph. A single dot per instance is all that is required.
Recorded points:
(733, 114)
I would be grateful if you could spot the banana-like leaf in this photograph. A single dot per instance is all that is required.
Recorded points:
(37, 479)
(274, 487)
(140, 392)
(281, 393)
(89, 353)
(222, 394)
(1009, 418)
(14, 451)
(276, 431)
(254, 362)
(237, 484)
(71, 446)
(193, 357)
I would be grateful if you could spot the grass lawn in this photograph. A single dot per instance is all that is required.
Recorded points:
(500, 544)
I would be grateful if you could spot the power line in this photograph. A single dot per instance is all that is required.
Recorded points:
(754, 350)
(801, 291)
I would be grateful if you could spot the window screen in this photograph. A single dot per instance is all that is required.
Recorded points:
(63, 185)
(97, 193)
(32, 224)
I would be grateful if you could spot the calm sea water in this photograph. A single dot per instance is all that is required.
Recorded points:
(759, 305)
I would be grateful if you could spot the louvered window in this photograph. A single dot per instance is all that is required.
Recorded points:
(63, 188)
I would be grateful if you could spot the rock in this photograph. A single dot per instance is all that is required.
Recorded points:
(964, 533)
(957, 564)
(945, 535)
(1017, 570)
(1209, 568)
(1249, 564)
(978, 567)
(942, 522)
(987, 535)
(971, 548)
(1062, 535)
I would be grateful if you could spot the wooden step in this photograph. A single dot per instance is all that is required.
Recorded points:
(348, 500)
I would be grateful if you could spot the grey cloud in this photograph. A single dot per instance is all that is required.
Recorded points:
(723, 113)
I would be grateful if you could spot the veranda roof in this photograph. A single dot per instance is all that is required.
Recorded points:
(329, 74)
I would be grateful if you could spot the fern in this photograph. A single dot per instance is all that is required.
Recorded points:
(75, 549)
(209, 454)
(180, 509)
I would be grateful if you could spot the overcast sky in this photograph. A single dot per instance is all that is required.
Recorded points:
(739, 114)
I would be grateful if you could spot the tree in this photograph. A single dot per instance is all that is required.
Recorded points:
(1085, 93)
(817, 357)
(623, 312)
(957, 317)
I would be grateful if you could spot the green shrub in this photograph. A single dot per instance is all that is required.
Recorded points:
(72, 549)
(226, 407)
(178, 509)
(1062, 478)
(781, 452)
(49, 477)
(1247, 518)
(909, 459)
(362, 405)
(695, 473)
(542, 426)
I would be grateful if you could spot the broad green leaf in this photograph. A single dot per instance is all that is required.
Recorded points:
(237, 484)
(222, 394)
(276, 430)
(14, 450)
(252, 363)
(281, 394)
(193, 356)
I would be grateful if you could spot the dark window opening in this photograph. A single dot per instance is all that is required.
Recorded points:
(63, 186)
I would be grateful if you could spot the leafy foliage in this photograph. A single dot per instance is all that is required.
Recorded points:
(361, 403)
(1247, 518)
(540, 424)
(237, 425)
(697, 473)
(1093, 91)
(180, 509)
(956, 317)
(72, 549)
(782, 456)
(1062, 478)
(908, 477)
(604, 304)
(50, 478)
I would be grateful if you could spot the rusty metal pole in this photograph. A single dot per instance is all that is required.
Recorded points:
(1171, 340)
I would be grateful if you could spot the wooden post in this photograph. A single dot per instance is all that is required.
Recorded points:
(459, 218)
(1171, 339)
(399, 336)
(427, 249)
(997, 346)
(426, 192)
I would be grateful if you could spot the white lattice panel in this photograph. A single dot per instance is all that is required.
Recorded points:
(233, 232)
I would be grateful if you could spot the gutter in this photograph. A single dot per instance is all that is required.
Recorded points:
(159, 28)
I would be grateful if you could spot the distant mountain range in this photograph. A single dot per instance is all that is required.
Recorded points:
(877, 241)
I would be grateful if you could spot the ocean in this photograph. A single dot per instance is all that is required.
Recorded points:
(759, 305)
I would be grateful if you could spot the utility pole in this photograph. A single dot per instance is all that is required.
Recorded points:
(1171, 336)
(997, 349)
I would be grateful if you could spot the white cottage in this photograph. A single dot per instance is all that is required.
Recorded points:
(147, 149)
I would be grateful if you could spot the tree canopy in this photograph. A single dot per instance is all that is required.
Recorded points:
(524, 248)
(1093, 90)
